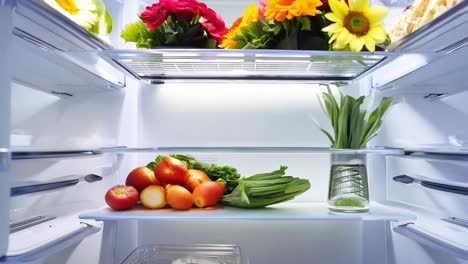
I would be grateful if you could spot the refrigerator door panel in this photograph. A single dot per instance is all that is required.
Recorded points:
(438, 235)
(5, 29)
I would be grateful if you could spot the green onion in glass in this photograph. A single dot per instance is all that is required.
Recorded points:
(352, 129)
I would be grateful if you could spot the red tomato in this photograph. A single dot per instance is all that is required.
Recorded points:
(140, 178)
(196, 177)
(171, 171)
(207, 194)
(121, 197)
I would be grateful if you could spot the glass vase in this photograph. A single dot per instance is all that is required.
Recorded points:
(348, 190)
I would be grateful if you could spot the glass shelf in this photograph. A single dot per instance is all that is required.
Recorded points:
(248, 64)
(311, 150)
(279, 212)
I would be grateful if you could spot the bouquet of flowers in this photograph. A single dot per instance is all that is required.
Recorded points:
(309, 24)
(177, 23)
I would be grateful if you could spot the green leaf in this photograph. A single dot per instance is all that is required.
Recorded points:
(276, 29)
(133, 32)
(287, 26)
(196, 18)
(108, 20)
(329, 137)
(375, 121)
(211, 44)
(151, 165)
(343, 122)
(304, 22)
(355, 126)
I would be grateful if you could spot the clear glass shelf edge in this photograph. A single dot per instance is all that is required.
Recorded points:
(279, 212)
(305, 150)
(246, 64)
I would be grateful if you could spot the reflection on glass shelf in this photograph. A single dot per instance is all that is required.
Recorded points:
(162, 64)
(285, 211)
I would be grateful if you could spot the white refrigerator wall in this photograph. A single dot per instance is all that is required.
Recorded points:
(230, 114)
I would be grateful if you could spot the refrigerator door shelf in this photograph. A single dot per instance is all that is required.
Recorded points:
(449, 238)
(285, 211)
(64, 74)
(46, 239)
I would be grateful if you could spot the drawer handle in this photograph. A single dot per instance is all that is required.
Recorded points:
(16, 191)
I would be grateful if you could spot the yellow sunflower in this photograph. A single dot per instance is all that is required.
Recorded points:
(280, 10)
(250, 16)
(356, 25)
(82, 12)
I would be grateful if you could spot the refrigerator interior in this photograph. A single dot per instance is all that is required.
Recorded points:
(68, 108)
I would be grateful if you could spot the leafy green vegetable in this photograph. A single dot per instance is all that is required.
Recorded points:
(351, 129)
(348, 202)
(226, 173)
(265, 189)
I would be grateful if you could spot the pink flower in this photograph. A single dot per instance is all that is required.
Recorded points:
(186, 10)
(213, 24)
(261, 9)
(154, 15)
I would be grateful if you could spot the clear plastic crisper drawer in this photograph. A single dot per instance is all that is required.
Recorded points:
(185, 254)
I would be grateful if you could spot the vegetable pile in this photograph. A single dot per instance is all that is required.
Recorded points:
(181, 181)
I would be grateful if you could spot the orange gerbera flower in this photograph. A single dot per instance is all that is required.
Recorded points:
(280, 10)
(228, 41)
(250, 15)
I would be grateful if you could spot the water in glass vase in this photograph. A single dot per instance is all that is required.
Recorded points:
(348, 190)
